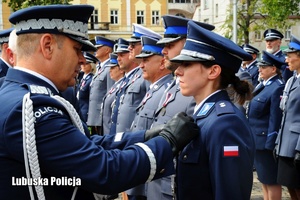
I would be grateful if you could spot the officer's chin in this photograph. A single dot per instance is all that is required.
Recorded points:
(172, 66)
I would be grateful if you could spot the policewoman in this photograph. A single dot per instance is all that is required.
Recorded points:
(172, 101)
(264, 117)
(116, 74)
(288, 140)
(42, 136)
(83, 93)
(217, 164)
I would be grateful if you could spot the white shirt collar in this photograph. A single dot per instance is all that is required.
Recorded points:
(200, 104)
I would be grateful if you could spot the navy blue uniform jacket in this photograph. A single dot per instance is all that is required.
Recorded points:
(218, 164)
(63, 151)
(265, 115)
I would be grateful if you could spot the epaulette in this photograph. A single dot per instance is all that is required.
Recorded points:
(280, 82)
(224, 107)
(37, 89)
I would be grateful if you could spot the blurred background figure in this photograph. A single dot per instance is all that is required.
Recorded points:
(264, 117)
(250, 66)
(288, 145)
(101, 82)
(116, 74)
(5, 62)
(273, 42)
(83, 93)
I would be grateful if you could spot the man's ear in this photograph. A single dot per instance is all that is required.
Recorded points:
(214, 72)
(46, 45)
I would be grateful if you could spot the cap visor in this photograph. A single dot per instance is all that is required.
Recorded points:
(133, 40)
(121, 51)
(183, 58)
(167, 40)
(271, 38)
(111, 65)
(98, 45)
(144, 55)
(86, 44)
(289, 50)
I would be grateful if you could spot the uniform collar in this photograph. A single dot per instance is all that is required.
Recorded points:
(37, 75)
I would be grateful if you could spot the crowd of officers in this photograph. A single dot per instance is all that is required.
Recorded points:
(243, 101)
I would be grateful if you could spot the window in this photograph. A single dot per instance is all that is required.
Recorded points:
(257, 35)
(155, 17)
(287, 33)
(94, 20)
(205, 2)
(140, 17)
(114, 16)
(217, 10)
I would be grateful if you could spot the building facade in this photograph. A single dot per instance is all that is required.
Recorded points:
(215, 12)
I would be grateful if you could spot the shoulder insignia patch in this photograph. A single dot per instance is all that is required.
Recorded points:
(268, 83)
(223, 107)
(205, 109)
(280, 82)
(37, 89)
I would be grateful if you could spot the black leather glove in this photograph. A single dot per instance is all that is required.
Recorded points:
(297, 160)
(179, 131)
(153, 132)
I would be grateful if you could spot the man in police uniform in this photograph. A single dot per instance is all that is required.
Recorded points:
(251, 65)
(273, 42)
(10, 52)
(42, 137)
(160, 77)
(5, 62)
(101, 82)
(134, 86)
(172, 101)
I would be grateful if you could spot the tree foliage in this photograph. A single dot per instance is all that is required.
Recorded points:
(19, 4)
(254, 15)
(278, 12)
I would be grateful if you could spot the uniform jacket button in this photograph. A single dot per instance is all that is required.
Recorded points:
(185, 157)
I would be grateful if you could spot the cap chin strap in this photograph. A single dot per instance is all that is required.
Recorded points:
(29, 141)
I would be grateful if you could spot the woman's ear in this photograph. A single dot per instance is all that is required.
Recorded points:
(214, 72)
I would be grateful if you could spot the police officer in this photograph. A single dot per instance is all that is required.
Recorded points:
(273, 39)
(172, 101)
(288, 147)
(218, 164)
(160, 77)
(10, 53)
(251, 65)
(5, 62)
(45, 149)
(264, 117)
(101, 82)
(116, 74)
(83, 93)
(134, 86)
